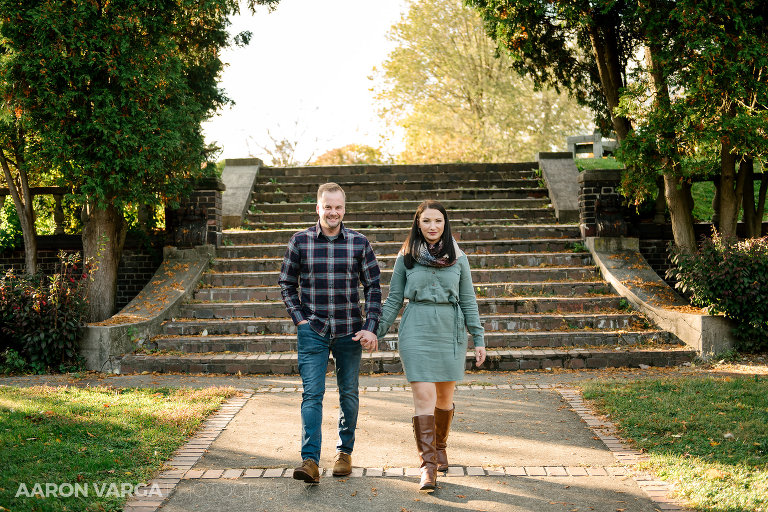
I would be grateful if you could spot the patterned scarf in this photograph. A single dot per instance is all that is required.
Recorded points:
(427, 255)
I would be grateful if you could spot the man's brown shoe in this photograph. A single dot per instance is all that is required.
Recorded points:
(342, 466)
(307, 472)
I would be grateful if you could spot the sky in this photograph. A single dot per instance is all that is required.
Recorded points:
(304, 76)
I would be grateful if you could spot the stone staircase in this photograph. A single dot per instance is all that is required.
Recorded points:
(541, 298)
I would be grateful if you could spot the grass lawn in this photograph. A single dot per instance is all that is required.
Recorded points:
(703, 192)
(92, 436)
(606, 162)
(707, 435)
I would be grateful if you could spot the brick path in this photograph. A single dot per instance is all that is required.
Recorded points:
(185, 474)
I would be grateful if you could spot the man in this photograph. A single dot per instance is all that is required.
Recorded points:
(328, 261)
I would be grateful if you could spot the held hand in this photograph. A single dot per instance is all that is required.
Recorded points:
(479, 356)
(303, 322)
(367, 339)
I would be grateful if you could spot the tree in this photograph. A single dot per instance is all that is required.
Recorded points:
(116, 92)
(682, 98)
(708, 63)
(582, 46)
(15, 159)
(456, 99)
(350, 154)
(588, 48)
(724, 73)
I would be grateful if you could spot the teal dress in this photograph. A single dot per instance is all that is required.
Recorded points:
(432, 337)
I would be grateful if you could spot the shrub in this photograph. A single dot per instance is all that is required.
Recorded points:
(729, 277)
(41, 316)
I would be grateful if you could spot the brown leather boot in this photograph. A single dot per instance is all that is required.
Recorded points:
(424, 432)
(443, 421)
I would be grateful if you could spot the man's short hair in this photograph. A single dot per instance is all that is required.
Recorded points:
(330, 187)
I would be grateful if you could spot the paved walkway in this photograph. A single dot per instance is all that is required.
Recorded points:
(520, 442)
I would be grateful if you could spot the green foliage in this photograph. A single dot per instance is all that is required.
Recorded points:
(579, 247)
(116, 91)
(11, 362)
(41, 316)
(446, 85)
(729, 277)
(10, 226)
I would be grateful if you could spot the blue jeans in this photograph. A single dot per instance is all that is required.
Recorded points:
(314, 350)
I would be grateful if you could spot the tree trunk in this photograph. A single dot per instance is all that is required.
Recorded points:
(104, 233)
(677, 191)
(660, 209)
(677, 201)
(748, 198)
(606, 58)
(753, 213)
(22, 200)
(731, 190)
(760, 213)
(716, 203)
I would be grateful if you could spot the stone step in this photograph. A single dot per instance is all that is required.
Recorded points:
(305, 186)
(462, 233)
(480, 276)
(396, 177)
(380, 362)
(487, 261)
(486, 306)
(287, 343)
(274, 250)
(331, 171)
(356, 205)
(506, 322)
(465, 216)
(563, 289)
(362, 225)
(413, 195)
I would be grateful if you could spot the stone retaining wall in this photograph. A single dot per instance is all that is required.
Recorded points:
(141, 258)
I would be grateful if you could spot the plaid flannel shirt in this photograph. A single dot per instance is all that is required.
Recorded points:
(328, 272)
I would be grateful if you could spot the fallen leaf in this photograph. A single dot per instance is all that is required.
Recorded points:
(715, 474)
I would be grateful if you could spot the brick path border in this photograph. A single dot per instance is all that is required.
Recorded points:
(376, 389)
(190, 453)
(187, 456)
(657, 490)
(453, 471)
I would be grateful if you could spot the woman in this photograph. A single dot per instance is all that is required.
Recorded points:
(433, 274)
